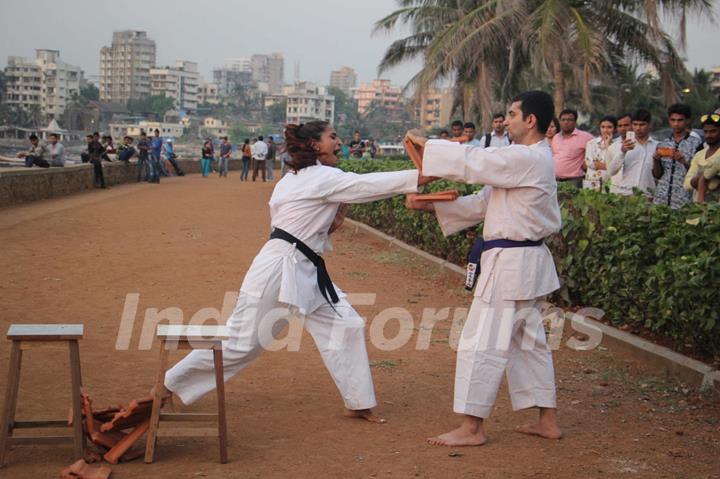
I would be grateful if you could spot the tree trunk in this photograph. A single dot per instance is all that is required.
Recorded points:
(559, 81)
(484, 98)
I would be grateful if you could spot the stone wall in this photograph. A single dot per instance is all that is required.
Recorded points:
(19, 185)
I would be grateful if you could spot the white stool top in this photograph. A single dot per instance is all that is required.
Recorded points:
(181, 332)
(45, 332)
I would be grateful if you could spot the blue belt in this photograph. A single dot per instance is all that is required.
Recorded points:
(480, 245)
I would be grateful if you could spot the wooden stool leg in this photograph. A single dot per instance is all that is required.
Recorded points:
(11, 394)
(220, 386)
(157, 403)
(78, 436)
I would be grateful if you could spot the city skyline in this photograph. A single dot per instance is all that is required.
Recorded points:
(320, 39)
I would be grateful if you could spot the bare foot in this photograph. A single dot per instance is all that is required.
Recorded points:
(365, 414)
(547, 431)
(461, 436)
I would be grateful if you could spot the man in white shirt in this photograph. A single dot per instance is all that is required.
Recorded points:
(56, 150)
(635, 157)
(259, 153)
(498, 137)
(504, 329)
(624, 124)
(469, 132)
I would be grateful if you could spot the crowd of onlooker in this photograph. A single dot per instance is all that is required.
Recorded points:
(624, 157)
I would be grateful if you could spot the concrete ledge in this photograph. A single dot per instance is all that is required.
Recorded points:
(674, 364)
(20, 185)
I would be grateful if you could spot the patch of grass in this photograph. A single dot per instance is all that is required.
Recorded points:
(357, 274)
(384, 364)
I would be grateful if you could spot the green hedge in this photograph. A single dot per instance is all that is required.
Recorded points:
(644, 265)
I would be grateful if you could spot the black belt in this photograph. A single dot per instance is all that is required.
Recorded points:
(323, 278)
(480, 245)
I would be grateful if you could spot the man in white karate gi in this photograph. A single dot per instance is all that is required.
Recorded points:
(504, 332)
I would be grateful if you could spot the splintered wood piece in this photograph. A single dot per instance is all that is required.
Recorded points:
(449, 195)
(132, 454)
(113, 455)
(137, 411)
(415, 152)
(108, 440)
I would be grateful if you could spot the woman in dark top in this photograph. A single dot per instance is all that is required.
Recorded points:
(246, 152)
(208, 152)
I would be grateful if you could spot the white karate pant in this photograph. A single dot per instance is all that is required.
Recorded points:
(498, 337)
(340, 338)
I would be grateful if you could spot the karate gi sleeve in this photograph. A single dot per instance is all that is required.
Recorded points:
(355, 188)
(466, 211)
(509, 167)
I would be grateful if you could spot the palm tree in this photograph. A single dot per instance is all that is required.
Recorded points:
(486, 48)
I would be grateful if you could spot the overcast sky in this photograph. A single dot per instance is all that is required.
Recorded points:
(320, 35)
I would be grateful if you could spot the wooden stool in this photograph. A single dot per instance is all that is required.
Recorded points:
(189, 337)
(31, 336)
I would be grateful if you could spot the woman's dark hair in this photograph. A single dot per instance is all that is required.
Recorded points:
(247, 140)
(299, 141)
(610, 119)
(555, 122)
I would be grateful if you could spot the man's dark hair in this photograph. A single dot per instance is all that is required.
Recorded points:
(469, 124)
(456, 123)
(142, 133)
(260, 138)
(157, 131)
(444, 132)
(498, 115)
(95, 133)
(680, 109)
(128, 137)
(55, 135)
(33, 136)
(568, 111)
(641, 114)
(609, 118)
(89, 136)
(624, 115)
(537, 103)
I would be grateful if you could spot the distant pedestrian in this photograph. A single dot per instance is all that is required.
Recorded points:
(259, 153)
(225, 152)
(126, 150)
(270, 158)
(171, 157)
(56, 150)
(207, 155)
(144, 164)
(156, 157)
(95, 152)
(246, 157)
(35, 156)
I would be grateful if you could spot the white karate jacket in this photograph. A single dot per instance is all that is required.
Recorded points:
(518, 202)
(304, 204)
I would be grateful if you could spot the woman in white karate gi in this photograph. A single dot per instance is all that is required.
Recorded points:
(504, 331)
(305, 207)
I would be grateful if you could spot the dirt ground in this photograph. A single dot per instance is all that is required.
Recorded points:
(187, 241)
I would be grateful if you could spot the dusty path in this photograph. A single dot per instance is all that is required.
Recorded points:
(187, 241)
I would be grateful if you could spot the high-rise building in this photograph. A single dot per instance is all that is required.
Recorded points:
(125, 67)
(45, 82)
(434, 107)
(379, 93)
(238, 64)
(269, 69)
(181, 83)
(308, 102)
(228, 79)
(343, 79)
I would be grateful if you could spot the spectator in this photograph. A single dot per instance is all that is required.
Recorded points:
(156, 157)
(457, 128)
(259, 153)
(672, 158)
(356, 145)
(206, 156)
(144, 161)
(107, 143)
(568, 147)
(552, 129)
(598, 154)
(444, 135)
(95, 153)
(624, 124)
(171, 157)
(225, 152)
(371, 148)
(703, 177)
(246, 155)
(270, 159)
(56, 150)
(469, 133)
(36, 154)
(498, 137)
(344, 150)
(635, 156)
(125, 149)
